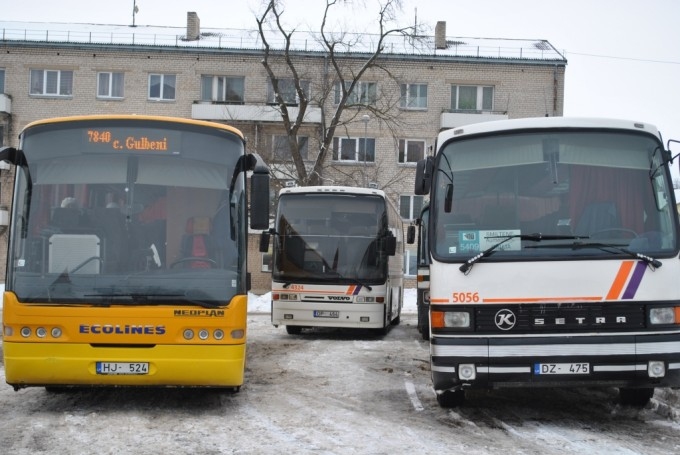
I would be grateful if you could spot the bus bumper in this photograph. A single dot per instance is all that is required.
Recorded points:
(42, 364)
(616, 361)
(348, 315)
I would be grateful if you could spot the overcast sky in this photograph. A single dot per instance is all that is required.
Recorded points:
(623, 55)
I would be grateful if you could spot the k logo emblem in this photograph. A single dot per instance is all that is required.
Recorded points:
(505, 319)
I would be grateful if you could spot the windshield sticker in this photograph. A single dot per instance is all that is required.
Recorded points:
(475, 241)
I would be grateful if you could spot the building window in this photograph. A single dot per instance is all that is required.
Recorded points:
(281, 151)
(410, 262)
(471, 98)
(110, 85)
(2, 80)
(411, 151)
(162, 86)
(364, 93)
(223, 89)
(413, 96)
(51, 82)
(358, 150)
(287, 90)
(410, 206)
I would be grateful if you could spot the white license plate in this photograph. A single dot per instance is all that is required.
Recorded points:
(561, 368)
(122, 368)
(326, 314)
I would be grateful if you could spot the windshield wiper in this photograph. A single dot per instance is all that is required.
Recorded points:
(338, 275)
(536, 237)
(607, 247)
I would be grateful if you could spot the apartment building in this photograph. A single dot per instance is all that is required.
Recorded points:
(434, 83)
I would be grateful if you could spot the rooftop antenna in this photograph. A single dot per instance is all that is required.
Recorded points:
(135, 10)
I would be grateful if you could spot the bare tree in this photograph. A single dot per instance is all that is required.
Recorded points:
(338, 85)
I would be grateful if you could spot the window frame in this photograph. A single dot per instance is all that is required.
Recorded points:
(2, 80)
(406, 100)
(162, 84)
(358, 157)
(111, 84)
(289, 93)
(303, 147)
(402, 150)
(480, 105)
(414, 213)
(367, 94)
(64, 87)
(235, 84)
(410, 254)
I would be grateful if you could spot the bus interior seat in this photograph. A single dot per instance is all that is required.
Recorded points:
(196, 243)
(68, 219)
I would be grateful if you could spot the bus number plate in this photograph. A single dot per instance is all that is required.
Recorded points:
(122, 368)
(326, 314)
(561, 368)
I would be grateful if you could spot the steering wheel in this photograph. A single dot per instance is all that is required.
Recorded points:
(208, 261)
(623, 233)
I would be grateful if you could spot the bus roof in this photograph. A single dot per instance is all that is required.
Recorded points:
(332, 190)
(538, 123)
(135, 117)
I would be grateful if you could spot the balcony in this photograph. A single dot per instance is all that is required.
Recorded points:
(455, 119)
(249, 113)
(5, 104)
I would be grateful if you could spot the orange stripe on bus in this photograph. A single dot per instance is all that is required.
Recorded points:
(439, 300)
(620, 280)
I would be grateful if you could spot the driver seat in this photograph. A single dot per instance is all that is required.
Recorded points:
(596, 217)
(196, 243)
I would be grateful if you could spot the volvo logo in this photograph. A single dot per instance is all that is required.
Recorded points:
(505, 319)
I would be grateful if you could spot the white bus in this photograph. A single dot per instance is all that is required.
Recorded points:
(337, 259)
(554, 245)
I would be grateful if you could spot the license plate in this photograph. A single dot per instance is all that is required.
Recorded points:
(122, 368)
(561, 368)
(326, 314)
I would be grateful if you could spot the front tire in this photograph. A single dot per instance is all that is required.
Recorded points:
(636, 397)
(451, 398)
(293, 329)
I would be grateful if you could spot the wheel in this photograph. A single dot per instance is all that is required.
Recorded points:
(396, 320)
(451, 398)
(293, 329)
(636, 397)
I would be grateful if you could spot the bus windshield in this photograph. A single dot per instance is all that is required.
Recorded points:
(330, 237)
(116, 212)
(589, 194)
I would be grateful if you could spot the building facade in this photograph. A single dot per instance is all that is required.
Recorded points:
(51, 70)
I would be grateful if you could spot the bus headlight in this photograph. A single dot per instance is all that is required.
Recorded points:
(656, 369)
(450, 319)
(188, 334)
(41, 332)
(203, 334)
(467, 372)
(664, 315)
(25, 332)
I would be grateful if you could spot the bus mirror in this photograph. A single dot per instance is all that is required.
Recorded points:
(264, 241)
(424, 169)
(411, 234)
(448, 198)
(390, 245)
(259, 201)
(11, 155)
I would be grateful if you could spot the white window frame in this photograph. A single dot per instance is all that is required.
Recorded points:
(413, 212)
(288, 91)
(116, 79)
(367, 94)
(413, 97)
(62, 79)
(339, 142)
(280, 141)
(479, 105)
(162, 96)
(220, 86)
(408, 254)
(402, 150)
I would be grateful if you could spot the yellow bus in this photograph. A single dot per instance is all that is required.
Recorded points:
(127, 252)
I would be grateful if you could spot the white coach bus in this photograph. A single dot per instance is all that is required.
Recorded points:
(554, 245)
(337, 259)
